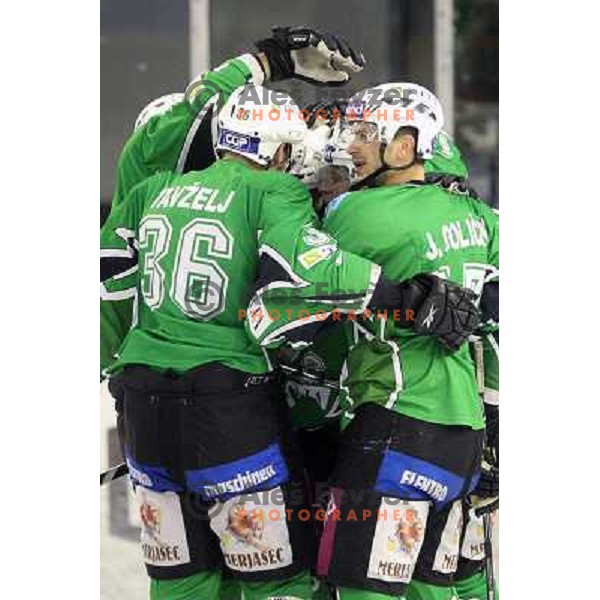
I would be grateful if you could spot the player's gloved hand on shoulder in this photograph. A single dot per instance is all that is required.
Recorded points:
(315, 56)
(441, 308)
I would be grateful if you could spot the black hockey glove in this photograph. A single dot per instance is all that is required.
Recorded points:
(490, 303)
(315, 56)
(488, 485)
(441, 308)
(489, 482)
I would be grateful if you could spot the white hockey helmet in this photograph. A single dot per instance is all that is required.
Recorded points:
(157, 107)
(307, 156)
(255, 121)
(336, 153)
(390, 106)
(322, 147)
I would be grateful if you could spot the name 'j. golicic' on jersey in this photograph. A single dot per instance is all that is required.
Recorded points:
(434, 231)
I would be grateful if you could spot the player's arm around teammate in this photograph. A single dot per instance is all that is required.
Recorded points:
(174, 133)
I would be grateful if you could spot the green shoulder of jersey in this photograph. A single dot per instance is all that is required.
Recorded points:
(447, 158)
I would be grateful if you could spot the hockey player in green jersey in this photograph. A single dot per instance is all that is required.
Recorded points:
(471, 579)
(324, 165)
(411, 387)
(174, 133)
(202, 434)
(312, 374)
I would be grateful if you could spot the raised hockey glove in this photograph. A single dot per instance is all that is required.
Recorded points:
(440, 308)
(315, 56)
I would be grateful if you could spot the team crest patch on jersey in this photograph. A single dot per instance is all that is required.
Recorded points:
(163, 537)
(314, 237)
(316, 255)
(253, 532)
(356, 108)
(398, 539)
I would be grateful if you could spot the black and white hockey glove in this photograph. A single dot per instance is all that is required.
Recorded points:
(448, 312)
(488, 485)
(441, 308)
(489, 481)
(315, 56)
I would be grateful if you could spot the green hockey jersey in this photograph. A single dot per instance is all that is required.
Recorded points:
(176, 141)
(410, 229)
(189, 248)
(313, 404)
(447, 158)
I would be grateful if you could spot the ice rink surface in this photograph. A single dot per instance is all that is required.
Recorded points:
(122, 573)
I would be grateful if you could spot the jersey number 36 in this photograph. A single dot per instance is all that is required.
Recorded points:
(197, 285)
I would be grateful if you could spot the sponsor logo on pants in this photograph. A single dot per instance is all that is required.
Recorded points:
(473, 547)
(446, 556)
(397, 543)
(262, 470)
(163, 538)
(253, 534)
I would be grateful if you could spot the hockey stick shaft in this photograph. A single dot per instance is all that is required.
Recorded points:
(489, 557)
(479, 364)
(113, 473)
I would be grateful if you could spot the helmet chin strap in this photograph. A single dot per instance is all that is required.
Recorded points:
(370, 180)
